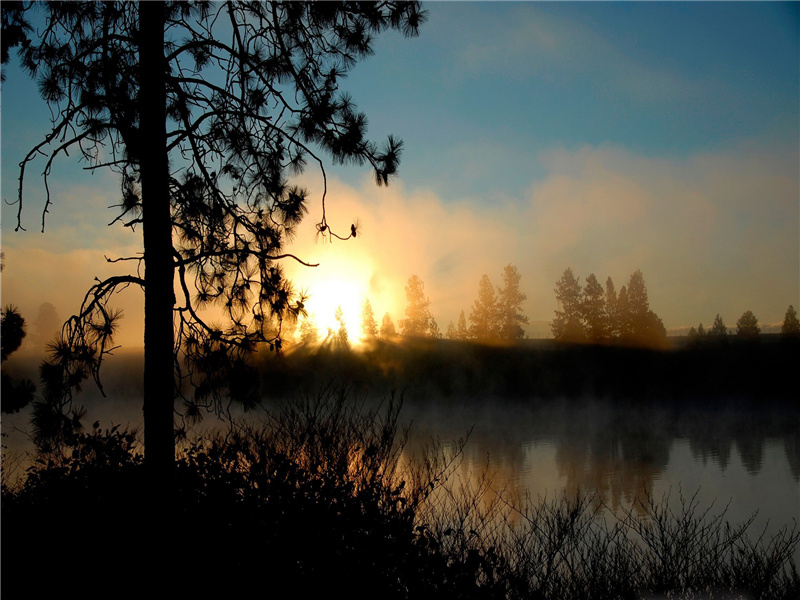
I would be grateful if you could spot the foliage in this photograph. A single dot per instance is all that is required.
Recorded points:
(509, 306)
(747, 325)
(419, 321)
(718, 329)
(791, 324)
(484, 317)
(369, 327)
(204, 110)
(388, 330)
(325, 499)
(567, 324)
(16, 394)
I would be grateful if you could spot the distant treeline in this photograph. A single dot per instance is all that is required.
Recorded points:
(738, 369)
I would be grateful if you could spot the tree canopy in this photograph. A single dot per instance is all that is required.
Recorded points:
(205, 110)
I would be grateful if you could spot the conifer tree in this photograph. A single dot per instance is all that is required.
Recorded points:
(204, 110)
(388, 330)
(462, 333)
(593, 310)
(369, 327)
(509, 306)
(419, 321)
(718, 328)
(484, 322)
(567, 324)
(747, 325)
(791, 324)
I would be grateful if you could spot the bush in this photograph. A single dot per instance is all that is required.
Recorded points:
(322, 500)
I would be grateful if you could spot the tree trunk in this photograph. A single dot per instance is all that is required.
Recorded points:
(159, 378)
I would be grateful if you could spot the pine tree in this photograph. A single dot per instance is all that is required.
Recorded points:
(369, 327)
(388, 330)
(718, 329)
(419, 321)
(611, 317)
(747, 325)
(509, 306)
(593, 310)
(204, 110)
(567, 324)
(341, 333)
(791, 324)
(484, 322)
(462, 332)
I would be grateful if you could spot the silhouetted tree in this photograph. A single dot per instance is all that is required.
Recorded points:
(791, 324)
(484, 322)
(611, 309)
(567, 324)
(509, 306)
(369, 327)
(12, 331)
(203, 109)
(341, 333)
(15, 394)
(593, 309)
(388, 330)
(309, 334)
(640, 325)
(718, 329)
(747, 325)
(419, 321)
(462, 332)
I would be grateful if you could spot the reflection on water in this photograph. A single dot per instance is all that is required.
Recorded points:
(745, 457)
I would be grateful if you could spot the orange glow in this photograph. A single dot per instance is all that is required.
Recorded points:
(342, 280)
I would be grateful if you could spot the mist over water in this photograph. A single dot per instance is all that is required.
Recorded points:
(743, 454)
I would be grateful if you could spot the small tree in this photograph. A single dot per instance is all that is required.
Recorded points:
(419, 321)
(341, 333)
(612, 324)
(567, 324)
(388, 330)
(369, 326)
(747, 325)
(509, 306)
(309, 333)
(718, 329)
(791, 324)
(462, 333)
(593, 309)
(484, 323)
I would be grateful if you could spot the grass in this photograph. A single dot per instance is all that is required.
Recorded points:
(322, 498)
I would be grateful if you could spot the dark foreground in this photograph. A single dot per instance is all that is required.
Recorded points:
(317, 503)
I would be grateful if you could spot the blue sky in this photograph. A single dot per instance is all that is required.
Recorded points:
(605, 137)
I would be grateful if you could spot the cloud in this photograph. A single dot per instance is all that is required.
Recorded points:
(712, 233)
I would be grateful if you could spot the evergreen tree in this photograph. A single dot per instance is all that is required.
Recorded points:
(309, 334)
(567, 324)
(462, 333)
(388, 330)
(452, 334)
(791, 324)
(203, 109)
(419, 321)
(718, 329)
(623, 315)
(369, 327)
(593, 310)
(341, 333)
(509, 306)
(612, 325)
(484, 322)
(747, 325)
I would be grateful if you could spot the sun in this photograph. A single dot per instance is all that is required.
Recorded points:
(341, 281)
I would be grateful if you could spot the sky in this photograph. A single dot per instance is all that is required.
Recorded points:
(603, 137)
